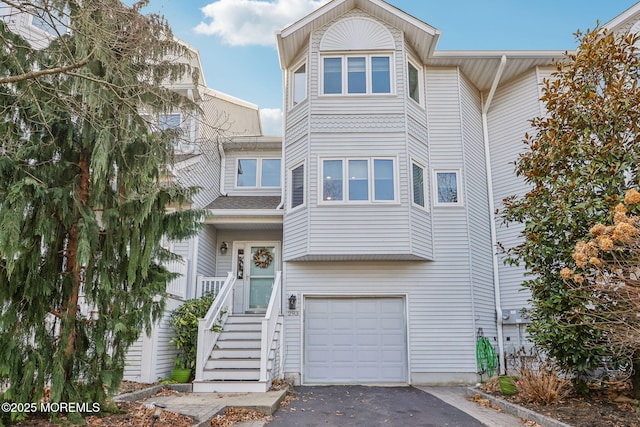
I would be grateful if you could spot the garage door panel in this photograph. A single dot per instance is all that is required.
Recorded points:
(362, 340)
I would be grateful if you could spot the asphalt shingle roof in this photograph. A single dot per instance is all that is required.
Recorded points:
(245, 202)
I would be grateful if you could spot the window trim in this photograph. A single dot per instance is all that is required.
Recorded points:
(259, 185)
(304, 186)
(459, 202)
(344, 89)
(425, 188)
(345, 180)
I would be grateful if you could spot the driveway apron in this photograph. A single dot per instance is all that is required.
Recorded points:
(368, 406)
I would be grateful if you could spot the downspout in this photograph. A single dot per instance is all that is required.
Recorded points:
(282, 168)
(223, 162)
(492, 214)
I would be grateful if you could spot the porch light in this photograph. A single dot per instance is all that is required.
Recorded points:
(292, 302)
(223, 248)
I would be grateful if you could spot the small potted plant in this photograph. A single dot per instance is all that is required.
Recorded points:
(184, 323)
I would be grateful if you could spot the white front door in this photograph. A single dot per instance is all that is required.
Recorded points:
(255, 271)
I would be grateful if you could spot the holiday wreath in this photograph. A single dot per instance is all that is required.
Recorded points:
(262, 258)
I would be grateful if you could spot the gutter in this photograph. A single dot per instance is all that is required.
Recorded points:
(492, 209)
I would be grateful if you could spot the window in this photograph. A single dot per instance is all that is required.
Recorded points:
(297, 186)
(417, 182)
(258, 173)
(357, 74)
(447, 188)
(414, 82)
(358, 180)
(300, 84)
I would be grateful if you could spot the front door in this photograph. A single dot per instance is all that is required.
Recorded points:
(256, 266)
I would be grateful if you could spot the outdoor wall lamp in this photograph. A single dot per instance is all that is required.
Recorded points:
(223, 248)
(292, 302)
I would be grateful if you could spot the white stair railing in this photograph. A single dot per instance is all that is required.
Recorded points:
(209, 284)
(178, 286)
(269, 324)
(217, 314)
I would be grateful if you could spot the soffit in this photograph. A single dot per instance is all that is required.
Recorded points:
(480, 66)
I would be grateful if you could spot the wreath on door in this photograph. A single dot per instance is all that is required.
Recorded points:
(262, 258)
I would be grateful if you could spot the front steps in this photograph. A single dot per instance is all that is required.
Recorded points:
(234, 363)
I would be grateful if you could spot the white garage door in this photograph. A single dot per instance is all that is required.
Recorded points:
(354, 340)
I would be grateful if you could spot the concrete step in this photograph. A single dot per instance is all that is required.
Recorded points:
(231, 374)
(228, 363)
(230, 387)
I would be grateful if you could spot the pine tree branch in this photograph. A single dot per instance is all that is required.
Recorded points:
(40, 73)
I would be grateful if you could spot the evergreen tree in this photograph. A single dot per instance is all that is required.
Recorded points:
(581, 156)
(84, 198)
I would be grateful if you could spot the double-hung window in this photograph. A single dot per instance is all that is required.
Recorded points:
(254, 172)
(299, 84)
(413, 76)
(356, 74)
(358, 180)
(417, 184)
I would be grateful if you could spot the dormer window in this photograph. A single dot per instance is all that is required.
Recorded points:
(356, 74)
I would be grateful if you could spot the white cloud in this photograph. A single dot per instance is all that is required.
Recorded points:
(271, 119)
(253, 22)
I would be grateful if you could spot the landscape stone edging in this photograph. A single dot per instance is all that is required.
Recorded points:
(516, 410)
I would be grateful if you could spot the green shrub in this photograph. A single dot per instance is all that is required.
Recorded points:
(184, 322)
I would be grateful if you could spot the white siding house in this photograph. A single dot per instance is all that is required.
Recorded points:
(361, 247)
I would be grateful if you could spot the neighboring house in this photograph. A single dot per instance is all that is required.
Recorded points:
(361, 247)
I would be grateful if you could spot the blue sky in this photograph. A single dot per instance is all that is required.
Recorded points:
(237, 43)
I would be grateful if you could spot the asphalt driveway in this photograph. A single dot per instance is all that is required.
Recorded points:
(368, 406)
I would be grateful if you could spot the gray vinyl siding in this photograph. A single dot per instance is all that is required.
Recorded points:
(512, 108)
(476, 191)
(207, 251)
(440, 321)
(133, 361)
(164, 351)
(295, 222)
(420, 221)
(231, 169)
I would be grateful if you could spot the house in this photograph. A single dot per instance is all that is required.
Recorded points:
(395, 157)
(361, 247)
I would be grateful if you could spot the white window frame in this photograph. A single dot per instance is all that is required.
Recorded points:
(459, 194)
(345, 181)
(425, 188)
(368, 75)
(304, 186)
(294, 86)
(60, 23)
(259, 161)
(414, 64)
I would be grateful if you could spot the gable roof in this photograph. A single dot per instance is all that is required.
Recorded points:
(422, 36)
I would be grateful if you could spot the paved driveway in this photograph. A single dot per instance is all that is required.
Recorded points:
(368, 406)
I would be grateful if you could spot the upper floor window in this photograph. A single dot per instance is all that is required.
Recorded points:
(47, 18)
(358, 179)
(297, 186)
(413, 76)
(256, 172)
(299, 84)
(356, 74)
(447, 187)
(417, 183)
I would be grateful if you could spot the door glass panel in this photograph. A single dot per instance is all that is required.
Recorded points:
(262, 272)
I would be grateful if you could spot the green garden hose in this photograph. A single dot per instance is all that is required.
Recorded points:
(486, 357)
